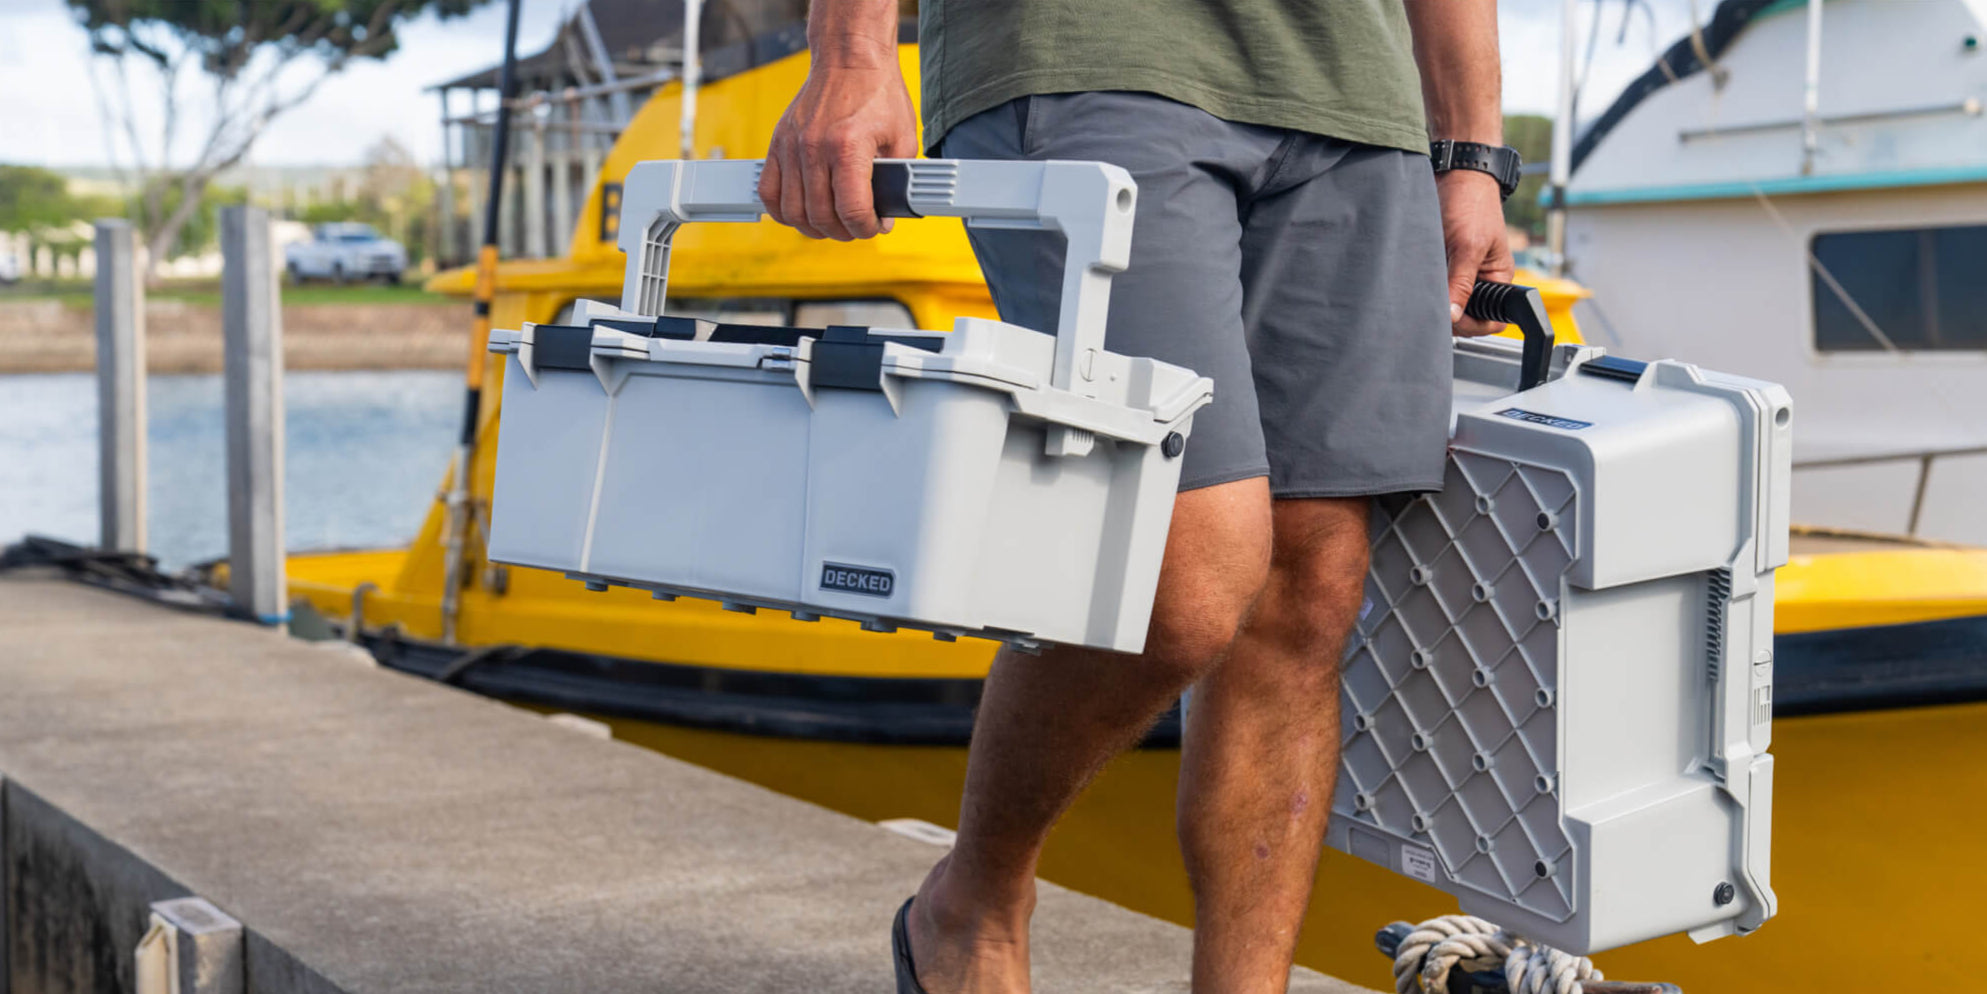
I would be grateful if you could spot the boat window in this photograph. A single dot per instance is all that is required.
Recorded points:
(779, 311)
(867, 313)
(733, 310)
(1919, 286)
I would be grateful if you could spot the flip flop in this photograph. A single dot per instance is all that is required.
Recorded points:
(900, 948)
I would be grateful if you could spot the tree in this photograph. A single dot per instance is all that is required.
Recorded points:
(261, 59)
(1531, 135)
(33, 199)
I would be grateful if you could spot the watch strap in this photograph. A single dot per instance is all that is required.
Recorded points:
(1501, 161)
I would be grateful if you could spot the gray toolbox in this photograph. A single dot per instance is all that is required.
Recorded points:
(1559, 697)
(991, 481)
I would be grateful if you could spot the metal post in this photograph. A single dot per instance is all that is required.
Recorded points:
(562, 182)
(1562, 140)
(479, 194)
(511, 243)
(534, 188)
(457, 502)
(252, 367)
(1811, 98)
(191, 947)
(120, 302)
(508, 208)
(445, 193)
(693, 74)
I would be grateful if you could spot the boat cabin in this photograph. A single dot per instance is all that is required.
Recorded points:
(1839, 250)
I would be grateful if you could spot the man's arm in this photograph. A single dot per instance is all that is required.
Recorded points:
(1455, 44)
(852, 110)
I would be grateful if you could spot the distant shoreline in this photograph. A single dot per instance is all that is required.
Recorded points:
(48, 336)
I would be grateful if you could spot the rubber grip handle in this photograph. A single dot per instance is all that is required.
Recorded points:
(1522, 306)
(890, 188)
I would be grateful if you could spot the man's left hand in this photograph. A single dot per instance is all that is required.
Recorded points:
(1473, 235)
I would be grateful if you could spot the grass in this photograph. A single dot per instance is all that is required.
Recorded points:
(207, 293)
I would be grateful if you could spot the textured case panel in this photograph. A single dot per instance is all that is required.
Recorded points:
(1449, 697)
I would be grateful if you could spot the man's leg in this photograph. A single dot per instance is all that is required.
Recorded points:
(1048, 723)
(1343, 275)
(1261, 751)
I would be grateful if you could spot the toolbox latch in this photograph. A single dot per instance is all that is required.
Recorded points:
(845, 358)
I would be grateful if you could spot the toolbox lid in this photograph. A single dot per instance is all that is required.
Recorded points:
(1137, 399)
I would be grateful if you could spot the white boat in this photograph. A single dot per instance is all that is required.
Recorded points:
(1811, 208)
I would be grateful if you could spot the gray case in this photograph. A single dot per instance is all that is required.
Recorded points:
(993, 481)
(1559, 698)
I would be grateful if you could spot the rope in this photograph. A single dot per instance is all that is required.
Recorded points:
(1439, 945)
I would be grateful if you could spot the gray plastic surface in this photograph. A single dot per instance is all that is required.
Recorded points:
(1559, 699)
(964, 492)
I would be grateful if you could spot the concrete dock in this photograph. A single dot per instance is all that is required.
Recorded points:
(375, 832)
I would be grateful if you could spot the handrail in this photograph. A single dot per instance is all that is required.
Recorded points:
(1974, 450)
(1925, 457)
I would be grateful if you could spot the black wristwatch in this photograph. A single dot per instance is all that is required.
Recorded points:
(1500, 161)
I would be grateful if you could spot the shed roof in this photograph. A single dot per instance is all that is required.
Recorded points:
(641, 36)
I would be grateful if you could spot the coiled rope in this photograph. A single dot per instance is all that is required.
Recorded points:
(1438, 945)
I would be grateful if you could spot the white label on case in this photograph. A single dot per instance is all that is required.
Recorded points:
(1418, 863)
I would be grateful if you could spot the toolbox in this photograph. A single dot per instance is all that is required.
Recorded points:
(991, 481)
(1559, 697)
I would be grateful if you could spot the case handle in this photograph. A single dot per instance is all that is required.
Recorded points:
(1522, 306)
(1090, 203)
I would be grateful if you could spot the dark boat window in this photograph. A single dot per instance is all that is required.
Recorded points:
(1920, 286)
(775, 311)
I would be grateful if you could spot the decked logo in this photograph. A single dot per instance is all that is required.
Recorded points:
(858, 579)
(1533, 417)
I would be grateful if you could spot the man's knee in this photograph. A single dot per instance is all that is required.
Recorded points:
(1317, 569)
(1217, 559)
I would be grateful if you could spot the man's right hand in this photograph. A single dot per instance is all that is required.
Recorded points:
(853, 110)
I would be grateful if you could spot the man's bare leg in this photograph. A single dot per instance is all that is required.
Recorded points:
(1048, 723)
(1261, 751)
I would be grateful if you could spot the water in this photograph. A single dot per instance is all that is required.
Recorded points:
(364, 454)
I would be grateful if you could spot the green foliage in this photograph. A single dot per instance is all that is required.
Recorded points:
(38, 200)
(227, 34)
(343, 210)
(32, 197)
(1531, 135)
(202, 230)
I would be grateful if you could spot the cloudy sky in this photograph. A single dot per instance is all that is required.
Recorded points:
(49, 115)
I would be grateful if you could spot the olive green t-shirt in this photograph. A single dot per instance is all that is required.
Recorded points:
(1340, 68)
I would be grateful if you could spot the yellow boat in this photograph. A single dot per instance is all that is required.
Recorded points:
(1864, 624)
(538, 635)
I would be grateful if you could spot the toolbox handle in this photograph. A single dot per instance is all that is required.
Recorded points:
(1512, 303)
(1091, 203)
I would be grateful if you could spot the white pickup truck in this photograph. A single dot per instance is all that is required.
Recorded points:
(345, 251)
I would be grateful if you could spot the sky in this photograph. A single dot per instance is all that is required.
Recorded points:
(49, 114)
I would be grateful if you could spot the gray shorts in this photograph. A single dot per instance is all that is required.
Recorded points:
(1304, 275)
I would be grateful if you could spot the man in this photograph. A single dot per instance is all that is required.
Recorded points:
(1291, 242)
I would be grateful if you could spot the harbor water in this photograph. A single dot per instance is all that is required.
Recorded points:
(365, 451)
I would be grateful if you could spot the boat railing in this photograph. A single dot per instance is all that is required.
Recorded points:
(1925, 459)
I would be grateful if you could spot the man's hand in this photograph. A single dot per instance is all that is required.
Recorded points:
(1455, 44)
(1473, 235)
(853, 110)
